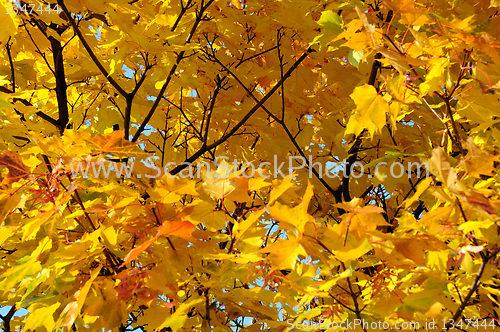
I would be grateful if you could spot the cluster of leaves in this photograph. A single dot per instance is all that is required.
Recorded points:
(185, 81)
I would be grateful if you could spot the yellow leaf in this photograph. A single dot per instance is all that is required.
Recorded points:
(7, 204)
(258, 183)
(285, 184)
(68, 315)
(304, 138)
(9, 24)
(368, 221)
(109, 235)
(421, 187)
(6, 233)
(423, 300)
(206, 213)
(178, 318)
(436, 76)
(283, 254)
(473, 225)
(359, 41)
(115, 144)
(411, 250)
(41, 317)
(350, 29)
(240, 192)
(33, 227)
(220, 184)
(182, 229)
(353, 251)
(18, 273)
(137, 251)
(371, 109)
(236, 3)
(297, 216)
(181, 186)
(246, 224)
(437, 260)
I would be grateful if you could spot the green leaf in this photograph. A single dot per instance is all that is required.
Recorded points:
(355, 57)
(331, 24)
(331, 21)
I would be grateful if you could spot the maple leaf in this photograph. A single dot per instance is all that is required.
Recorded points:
(371, 110)
(17, 169)
(283, 254)
(116, 145)
(182, 229)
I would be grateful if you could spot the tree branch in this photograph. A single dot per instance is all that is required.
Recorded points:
(58, 71)
(190, 124)
(457, 140)
(220, 83)
(281, 122)
(40, 113)
(221, 140)
(89, 50)
(13, 79)
(474, 287)
(184, 9)
(7, 318)
(242, 60)
(130, 98)
(180, 56)
(61, 87)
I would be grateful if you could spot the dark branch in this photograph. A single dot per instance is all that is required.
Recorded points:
(7, 318)
(180, 56)
(473, 289)
(245, 118)
(89, 50)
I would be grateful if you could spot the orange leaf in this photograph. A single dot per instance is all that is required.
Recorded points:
(137, 251)
(115, 144)
(182, 229)
(17, 168)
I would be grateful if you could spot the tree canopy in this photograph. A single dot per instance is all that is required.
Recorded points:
(247, 165)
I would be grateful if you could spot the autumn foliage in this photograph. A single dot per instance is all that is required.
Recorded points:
(344, 86)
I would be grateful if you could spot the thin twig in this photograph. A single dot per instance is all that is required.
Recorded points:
(184, 9)
(89, 50)
(180, 56)
(220, 84)
(254, 56)
(254, 109)
(473, 289)
(12, 78)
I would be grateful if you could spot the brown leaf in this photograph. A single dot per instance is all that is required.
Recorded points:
(17, 169)
(481, 203)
